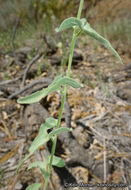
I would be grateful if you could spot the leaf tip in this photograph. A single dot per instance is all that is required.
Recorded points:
(19, 101)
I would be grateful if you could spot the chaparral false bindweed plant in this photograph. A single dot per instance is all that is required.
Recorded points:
(80, 26)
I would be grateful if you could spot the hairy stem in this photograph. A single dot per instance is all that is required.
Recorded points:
(74, 40)
(64, 93)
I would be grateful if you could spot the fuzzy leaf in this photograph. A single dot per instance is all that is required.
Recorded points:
(57, 161)
(85, 27)
(83, 22)
(51, 122)
(69, 23)
(45, 174)
(41, 139)
(39, 164)
(57, 78)
(34, 186)
(59, 130)
(71, 82)
(35, 97)
(56, 84)
(43, 136)
(91, 32)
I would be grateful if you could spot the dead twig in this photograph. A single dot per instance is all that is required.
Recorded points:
(16, 178)
(50, 49)
(14, 32)
(37, 57)
(46, 41)
(8, 81)
(13, 38)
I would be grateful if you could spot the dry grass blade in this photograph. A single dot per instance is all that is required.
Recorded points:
(9, 154)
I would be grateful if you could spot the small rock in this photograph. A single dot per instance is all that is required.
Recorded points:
(124, 94)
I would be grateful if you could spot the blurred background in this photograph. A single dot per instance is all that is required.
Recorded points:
(112, 18)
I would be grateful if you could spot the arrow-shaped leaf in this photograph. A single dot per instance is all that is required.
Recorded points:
(85, 27)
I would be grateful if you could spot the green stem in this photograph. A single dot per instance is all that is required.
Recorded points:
(74, 40)
(64, 93)
(55, 138)
(80, 9)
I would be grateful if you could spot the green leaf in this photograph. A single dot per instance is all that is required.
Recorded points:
(69, 23)
(71, 82)
(56, 84)
(41, 139)
(38, 164)
(51, 122)
(57, 161)
(57, 78)
(43, 136)
(83, 21)
(59, 130)
(35, 97)
(46, 174)
(85, 27)
(91, 32)
(34, 186)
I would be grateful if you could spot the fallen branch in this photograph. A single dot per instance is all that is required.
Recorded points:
(8, 81)
(50, 49)
(37, 57)
(13, 38)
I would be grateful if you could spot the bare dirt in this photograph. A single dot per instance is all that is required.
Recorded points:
(110, 10)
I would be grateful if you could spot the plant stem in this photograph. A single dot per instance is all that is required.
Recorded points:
(74, 40)
(64, 93)
(80, 9)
